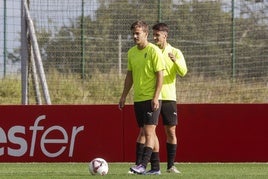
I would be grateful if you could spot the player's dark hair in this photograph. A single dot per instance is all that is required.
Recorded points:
(141, 24)
(161, 27)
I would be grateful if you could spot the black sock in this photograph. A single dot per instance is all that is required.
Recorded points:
(171, 154)
(139, 152)
(155, 161)
(147, 152)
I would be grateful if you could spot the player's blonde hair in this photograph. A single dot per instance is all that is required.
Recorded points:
(140, 24)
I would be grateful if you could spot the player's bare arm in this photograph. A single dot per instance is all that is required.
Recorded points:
(127, 86)
(159, 83)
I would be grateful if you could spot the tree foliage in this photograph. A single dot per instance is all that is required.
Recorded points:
(201, 29)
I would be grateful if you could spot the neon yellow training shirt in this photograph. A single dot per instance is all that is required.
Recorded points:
(168, 91)
(144, 64)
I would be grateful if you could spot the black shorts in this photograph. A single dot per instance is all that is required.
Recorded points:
(144, 113)
(169, 113)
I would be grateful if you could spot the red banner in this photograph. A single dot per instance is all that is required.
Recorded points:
(78, 133)
(60, 133)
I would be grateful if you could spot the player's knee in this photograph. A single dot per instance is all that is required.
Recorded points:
(171, 134)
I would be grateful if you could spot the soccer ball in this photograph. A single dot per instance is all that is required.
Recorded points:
(98, 166)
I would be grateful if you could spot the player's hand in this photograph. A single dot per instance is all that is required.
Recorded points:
(172, 56)
(155, 104)
(121, 103)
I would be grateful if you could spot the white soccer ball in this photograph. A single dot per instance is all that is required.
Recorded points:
(98, 166)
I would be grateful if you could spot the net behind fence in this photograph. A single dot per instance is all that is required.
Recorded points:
(83, 46)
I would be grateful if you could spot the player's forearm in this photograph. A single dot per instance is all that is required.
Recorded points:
(179, 62)
(127, 85)
(159, 83)
(181, 67)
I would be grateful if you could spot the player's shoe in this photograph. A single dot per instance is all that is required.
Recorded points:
(139, 169)
(153, 172)
(173, 169)
(130, 172)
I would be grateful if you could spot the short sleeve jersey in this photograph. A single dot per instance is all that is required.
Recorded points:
(168, 91)
(144, 64)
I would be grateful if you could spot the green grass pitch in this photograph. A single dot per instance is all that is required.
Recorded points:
(119, 170)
